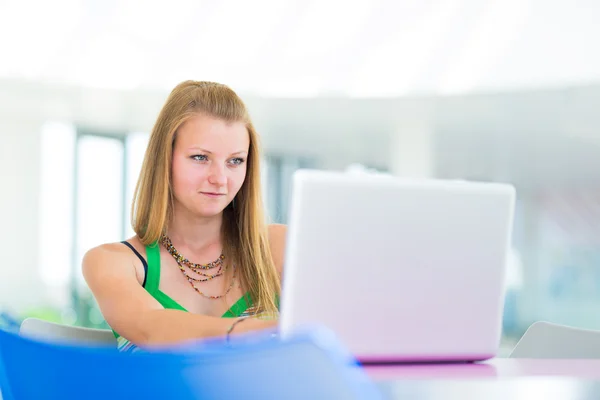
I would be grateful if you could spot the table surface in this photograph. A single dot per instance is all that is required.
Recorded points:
(528, 388)
(500, 378)
(582, 369)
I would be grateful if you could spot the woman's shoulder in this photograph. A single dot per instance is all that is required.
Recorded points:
(114, 255)
(277, 236)
(277, 230)
(116, 249)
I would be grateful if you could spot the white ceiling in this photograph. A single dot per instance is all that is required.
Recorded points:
(303, 48)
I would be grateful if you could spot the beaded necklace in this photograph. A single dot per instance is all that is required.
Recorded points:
(200, 269)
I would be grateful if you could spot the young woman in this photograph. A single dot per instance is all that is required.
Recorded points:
(203, 262)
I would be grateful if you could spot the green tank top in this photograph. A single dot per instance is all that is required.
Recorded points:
(240, 308)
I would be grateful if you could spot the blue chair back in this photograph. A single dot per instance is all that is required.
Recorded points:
(308, 366)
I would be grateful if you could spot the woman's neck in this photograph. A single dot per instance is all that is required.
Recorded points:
(198, 234)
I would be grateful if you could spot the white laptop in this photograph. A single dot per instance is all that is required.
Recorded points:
(401, 270)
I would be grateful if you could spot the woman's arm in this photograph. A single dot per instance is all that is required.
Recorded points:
(132, 312)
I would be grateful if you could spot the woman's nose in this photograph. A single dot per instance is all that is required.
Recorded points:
(217, 176)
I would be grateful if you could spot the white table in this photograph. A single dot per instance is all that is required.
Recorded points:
(495, 368)
(500, 378)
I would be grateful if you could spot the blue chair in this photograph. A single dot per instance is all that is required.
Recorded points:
(307, 366)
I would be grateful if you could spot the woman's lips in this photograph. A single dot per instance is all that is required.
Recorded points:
(212, 194)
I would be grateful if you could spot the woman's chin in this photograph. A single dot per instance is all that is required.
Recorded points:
(208, 212)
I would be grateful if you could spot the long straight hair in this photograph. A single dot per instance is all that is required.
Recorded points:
(244, 228)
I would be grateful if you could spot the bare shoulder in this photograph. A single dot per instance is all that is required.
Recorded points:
(277, 239)
(110, 258)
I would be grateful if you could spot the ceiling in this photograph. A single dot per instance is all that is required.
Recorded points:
(305, 48)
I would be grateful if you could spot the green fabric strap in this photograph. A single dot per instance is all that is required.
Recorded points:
(153, 277)
(239, 307)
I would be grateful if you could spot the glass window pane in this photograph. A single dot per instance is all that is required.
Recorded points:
(99, 194)
(56, 203)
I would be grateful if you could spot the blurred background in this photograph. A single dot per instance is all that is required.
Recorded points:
(489, 90)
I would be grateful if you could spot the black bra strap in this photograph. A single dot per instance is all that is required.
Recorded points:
(144, 263)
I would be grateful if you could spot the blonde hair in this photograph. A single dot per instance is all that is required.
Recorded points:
(245, 236)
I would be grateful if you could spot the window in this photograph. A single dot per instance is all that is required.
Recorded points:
(56, 203)
(279, 171)
(87, 184)
(98, 194)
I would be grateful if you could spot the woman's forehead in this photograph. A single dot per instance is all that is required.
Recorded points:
(213, 135)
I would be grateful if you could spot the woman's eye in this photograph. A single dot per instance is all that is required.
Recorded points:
(237, 161)
(199, 157)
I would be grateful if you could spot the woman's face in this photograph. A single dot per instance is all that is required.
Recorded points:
(209, 164)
